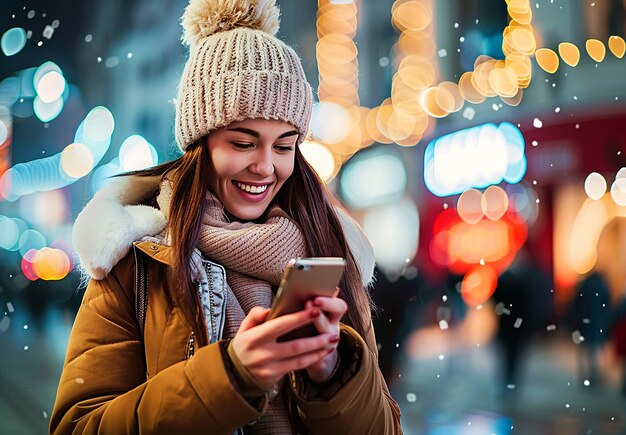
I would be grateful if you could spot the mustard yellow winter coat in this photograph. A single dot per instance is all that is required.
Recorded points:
(113, 383)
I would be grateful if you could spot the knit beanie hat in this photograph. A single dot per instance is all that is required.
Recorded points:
(238, 69)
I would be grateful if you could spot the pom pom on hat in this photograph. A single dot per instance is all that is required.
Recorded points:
(203, 18)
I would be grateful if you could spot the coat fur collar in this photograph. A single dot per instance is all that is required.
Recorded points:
(106, 228)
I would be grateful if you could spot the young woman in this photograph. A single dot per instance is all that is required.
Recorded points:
(171, 336)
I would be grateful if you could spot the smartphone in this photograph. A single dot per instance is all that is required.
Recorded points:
(305, 279)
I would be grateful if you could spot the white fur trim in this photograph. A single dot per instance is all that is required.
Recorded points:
(107, 227)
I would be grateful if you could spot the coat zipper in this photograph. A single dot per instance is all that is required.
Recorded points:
(141, 286)
(191, 343)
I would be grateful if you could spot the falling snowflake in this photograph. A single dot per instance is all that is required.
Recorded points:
(577, 338)
(4, 324)
(537, 123)
(48, 31)
(411, 397)
(469, 113)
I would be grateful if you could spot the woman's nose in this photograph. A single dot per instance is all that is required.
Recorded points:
(263, 164)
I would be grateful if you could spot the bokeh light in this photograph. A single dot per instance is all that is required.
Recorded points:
(4, 132)
(569, 53)
(393, 230)
(13, 40)
(372, 177)
(320, 158)
(617, 46)
(49, 173)
(494, 203)
(31, 239)
(76, 160)
(469, 206)
(595, 186)
(475, 157)
(48, 78)
(595, 49)
(98, 125)
(51, 264)
(137, 153)
(330, 122)
(28, 268)
(523, 201)
(45, 209)
(50, 86)
(46, 112)
(547, 60)
(478, 285)
(618, 191)
(9, 233)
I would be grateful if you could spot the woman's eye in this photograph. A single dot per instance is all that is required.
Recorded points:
(242, 145)
(284, 148)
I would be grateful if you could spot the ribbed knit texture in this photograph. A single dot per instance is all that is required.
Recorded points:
(239, 74)
(255, 257)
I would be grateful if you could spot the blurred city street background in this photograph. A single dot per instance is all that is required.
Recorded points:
(479, 143)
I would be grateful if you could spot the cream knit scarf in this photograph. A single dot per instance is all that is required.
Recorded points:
(254, 256)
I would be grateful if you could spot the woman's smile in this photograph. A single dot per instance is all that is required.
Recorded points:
(253, 192)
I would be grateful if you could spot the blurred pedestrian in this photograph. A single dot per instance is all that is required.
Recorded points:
(514, 309)
(617, 330)
(588, 319)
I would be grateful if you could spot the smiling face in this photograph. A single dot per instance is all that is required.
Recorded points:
(250, 162)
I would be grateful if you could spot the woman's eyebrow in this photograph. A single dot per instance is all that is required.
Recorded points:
(245, 130)
(289, 133)
(257, 135)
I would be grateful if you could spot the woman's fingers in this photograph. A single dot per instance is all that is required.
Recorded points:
(334, 308)
(274, 328)
(291, 348)
(256, 316)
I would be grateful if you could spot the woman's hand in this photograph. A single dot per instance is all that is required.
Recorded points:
(327, 323)
(267, 360)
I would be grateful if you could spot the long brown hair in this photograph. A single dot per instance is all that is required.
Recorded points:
(303, 196)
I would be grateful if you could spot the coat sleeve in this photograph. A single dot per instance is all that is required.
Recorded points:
(363, 405)
(103, 386)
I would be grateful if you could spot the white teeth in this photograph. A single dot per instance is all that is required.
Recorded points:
(251, 189)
